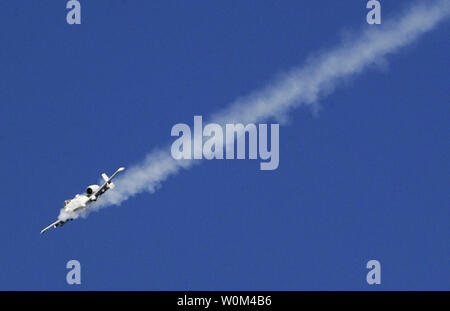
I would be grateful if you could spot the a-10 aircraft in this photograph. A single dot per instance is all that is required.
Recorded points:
(80, 201)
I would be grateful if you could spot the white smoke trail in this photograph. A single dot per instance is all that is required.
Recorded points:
(301, 86)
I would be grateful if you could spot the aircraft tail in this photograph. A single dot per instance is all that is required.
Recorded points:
(106, 178)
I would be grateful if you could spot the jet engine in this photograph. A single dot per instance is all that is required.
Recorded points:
(92, 189)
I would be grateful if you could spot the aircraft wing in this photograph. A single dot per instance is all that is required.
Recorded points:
(53, 225)
(105, 187)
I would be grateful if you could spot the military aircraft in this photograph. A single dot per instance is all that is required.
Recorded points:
(80, 201)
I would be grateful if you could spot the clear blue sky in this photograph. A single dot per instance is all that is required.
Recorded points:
(368, 178)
